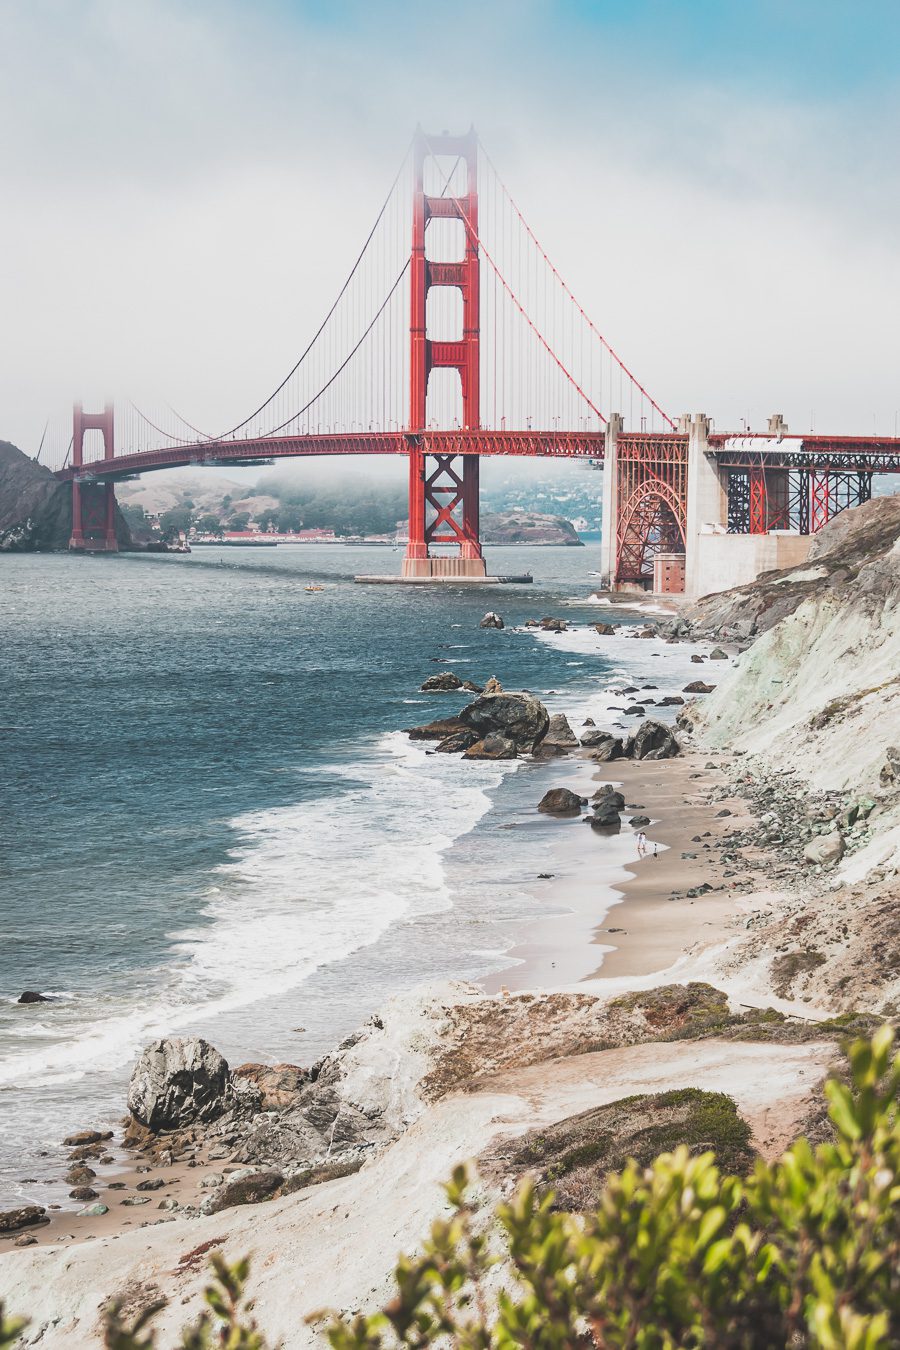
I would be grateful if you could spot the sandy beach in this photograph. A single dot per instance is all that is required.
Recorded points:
(612, 914)
(635, 910)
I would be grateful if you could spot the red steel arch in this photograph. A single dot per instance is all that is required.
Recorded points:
(652, 520)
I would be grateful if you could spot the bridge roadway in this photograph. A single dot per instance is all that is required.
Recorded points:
(556, 444)
(869, 454)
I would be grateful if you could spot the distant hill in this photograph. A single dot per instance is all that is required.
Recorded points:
(527, 527)
(36, 509)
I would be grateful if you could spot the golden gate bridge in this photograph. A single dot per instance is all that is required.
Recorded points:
(453, 336)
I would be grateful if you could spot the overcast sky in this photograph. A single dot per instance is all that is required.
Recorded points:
(184, 183)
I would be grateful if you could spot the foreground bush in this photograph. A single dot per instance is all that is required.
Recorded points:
(803, 1253)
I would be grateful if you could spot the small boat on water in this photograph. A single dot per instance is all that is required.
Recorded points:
(314, 588)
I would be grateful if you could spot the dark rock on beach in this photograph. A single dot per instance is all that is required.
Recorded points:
(457, 743)
(176, 1082)
(605, 629)
(493, 746)
(85, 1137)
(560, 733)
(595, 737)
(606, 747)
(26, 1216)
(247, 1190)
(80, 1175)
(561, 802)
(605, 815)
(698, 687)
(652, 740)
(29, 996)
(608, 796)
(84, 1193)
(521, 718)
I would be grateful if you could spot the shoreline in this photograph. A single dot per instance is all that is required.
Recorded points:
(632, 920)
(598, 884)
(569, 949)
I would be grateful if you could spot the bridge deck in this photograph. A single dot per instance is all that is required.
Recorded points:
(871, 454)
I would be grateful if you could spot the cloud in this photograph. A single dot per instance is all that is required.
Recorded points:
(187, 183)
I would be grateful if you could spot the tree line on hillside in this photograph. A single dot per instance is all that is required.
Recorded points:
(360, 507)
(363, 508)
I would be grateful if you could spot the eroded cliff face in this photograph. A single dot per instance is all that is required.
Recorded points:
(35, 508)
(838, 554)
(819, 691)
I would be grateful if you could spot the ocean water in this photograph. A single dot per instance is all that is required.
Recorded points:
(211, 819)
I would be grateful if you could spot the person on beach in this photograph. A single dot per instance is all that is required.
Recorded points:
(641, 844)
(656, 850)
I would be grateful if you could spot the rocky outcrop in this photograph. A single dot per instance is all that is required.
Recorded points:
(838, 555)
(277, 1085)
(594, 736)
(444, 683)
(493, 746)
(177, 1082)
(520, 718)
(437, 730)
(561, 802)
(457, 742)
(35, 508)
(491, 620)
(652, 740)
(26, 1216)
(560, 733)
(604, 747)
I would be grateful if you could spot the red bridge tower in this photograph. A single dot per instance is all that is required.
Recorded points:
(93, 503)
(443, 489)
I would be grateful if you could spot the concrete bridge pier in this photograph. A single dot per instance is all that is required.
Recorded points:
(610, 509)
(707, 502)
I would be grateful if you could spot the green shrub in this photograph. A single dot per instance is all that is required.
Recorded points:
(805, 1252)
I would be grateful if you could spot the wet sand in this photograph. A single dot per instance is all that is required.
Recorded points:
(616, 914)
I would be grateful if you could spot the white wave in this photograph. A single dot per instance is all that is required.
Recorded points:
(307, 884)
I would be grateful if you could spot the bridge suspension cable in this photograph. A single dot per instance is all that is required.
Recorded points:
(566, 289)
(329, 315)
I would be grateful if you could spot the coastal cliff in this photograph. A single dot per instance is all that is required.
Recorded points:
(819, 690)
(35, 508)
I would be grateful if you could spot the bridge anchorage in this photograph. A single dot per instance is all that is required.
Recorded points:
(467, 342)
